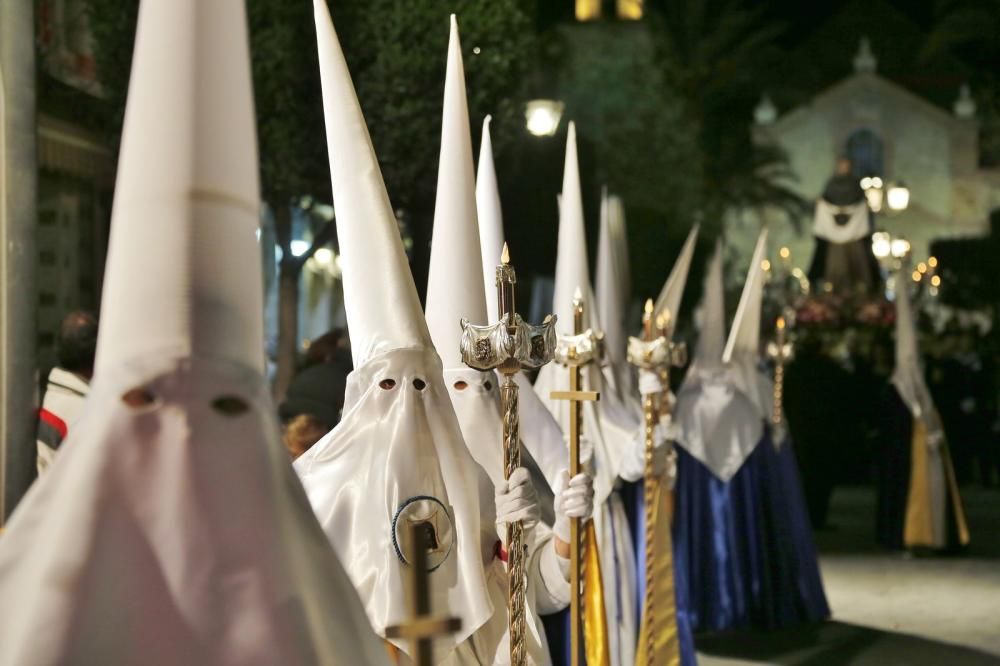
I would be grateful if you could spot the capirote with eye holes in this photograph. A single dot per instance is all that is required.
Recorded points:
(461, 385)
(389, 384)
(227, 405)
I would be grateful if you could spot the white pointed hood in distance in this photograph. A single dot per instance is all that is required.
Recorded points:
(540, 432)
(719, 424)
(742, 353)
(397, 456)
(572, 271)
(673, 289)
(619, 236)
(908, 373)
(176, 532)
(612, 303)
(712, 315)
(490, 213)
(608, 426)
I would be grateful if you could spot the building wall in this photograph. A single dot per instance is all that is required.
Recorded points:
(933, 152)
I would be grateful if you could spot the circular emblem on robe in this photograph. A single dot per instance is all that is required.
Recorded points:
(428, 519)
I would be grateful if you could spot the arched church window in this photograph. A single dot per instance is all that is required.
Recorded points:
(864, 149)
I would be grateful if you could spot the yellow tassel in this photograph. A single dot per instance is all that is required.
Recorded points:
(595, 618)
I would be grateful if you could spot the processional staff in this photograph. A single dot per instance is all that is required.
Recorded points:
(574, 352)
(422, 627)
(509, 346)
(781, 352)
(654, 355)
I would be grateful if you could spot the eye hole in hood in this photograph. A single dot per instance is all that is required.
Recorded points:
(139, 397)
(230, 405)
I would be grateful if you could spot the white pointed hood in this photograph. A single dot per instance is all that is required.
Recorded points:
(612, 299)
(173, 531)
(384, 313)
(540, 432)
(572, 271)
(491, 236)
(742, 353)
(397, 456)
(608, 428)
(719, 424)
(673, 289)
(908, 374)
(453, 291)
(712, 315)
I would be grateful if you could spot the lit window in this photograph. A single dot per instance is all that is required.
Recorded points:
(588, 10)
(630, 10)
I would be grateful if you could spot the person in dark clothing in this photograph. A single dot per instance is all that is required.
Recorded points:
(315, 398)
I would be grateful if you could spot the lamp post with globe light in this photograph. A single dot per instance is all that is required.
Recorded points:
(889, 250)
(542, 116)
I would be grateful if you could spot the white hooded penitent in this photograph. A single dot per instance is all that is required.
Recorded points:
(609, 431)
(932, 482)
(397, 457)
(718, 423)
(455, 291)
(171, 529)
(540, 433)
(607, 428)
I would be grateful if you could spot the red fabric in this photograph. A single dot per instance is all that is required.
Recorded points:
(500, 552)
(54, 421)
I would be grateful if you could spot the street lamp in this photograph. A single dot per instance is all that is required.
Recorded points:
(881, 245)
(898, 197)
(872, 186)
(542, 116)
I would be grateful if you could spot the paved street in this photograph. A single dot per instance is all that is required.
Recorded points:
(889, 608)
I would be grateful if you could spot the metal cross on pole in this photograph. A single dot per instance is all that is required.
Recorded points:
(421, 629)
(574, 352)
(654, 355)
(509, 346)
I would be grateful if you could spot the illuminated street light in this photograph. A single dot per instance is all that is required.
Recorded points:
(898, 197)
(881, 244)
(900, 247)
(872, 185)
(542, 116)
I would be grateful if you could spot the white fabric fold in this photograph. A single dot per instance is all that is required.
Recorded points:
(855, 228)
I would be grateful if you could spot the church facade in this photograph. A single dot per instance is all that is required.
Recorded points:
(889, 132)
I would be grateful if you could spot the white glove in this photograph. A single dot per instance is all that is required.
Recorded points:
(649, 382)
(574, 499)
(516, 500)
